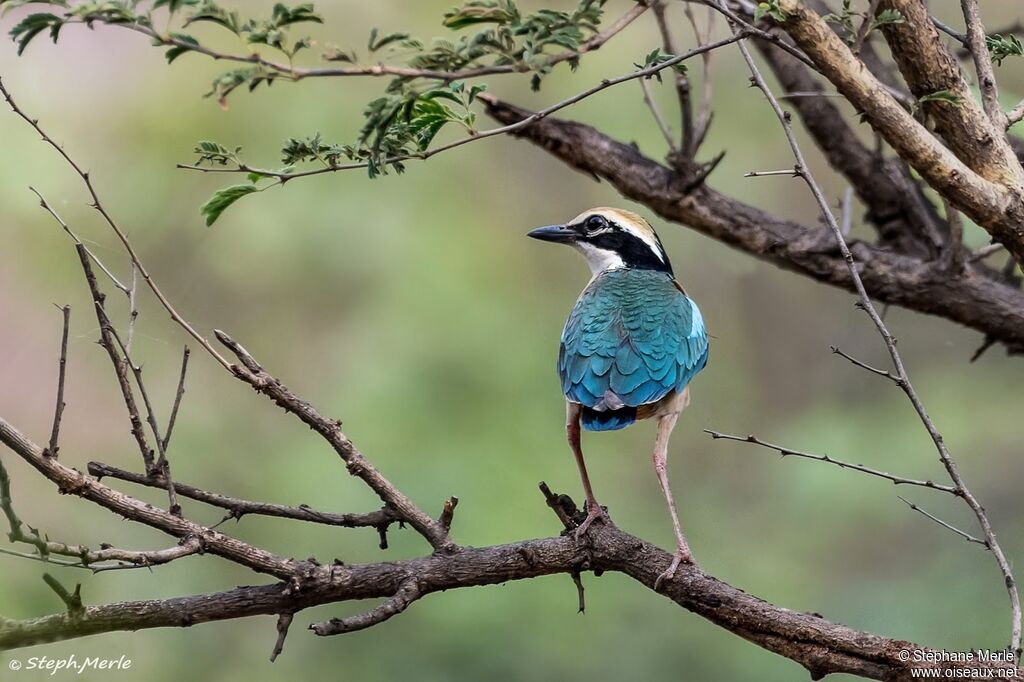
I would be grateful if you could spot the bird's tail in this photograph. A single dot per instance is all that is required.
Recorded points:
(608, 420)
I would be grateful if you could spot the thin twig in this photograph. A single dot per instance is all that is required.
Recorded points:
(162, 465)
(976, 43)
(846, 211)
(863, 365)
(238, 508)
(656, 113)
(984, 252)
(177, 400)
(947, 459)
(963, 534)
(289, 72)
(484, 134)
(133, 310)
(787, 452)
(120, 365)
(865, 26)
(96, 204)
(682, 87)
(789, 172)
(58, 410)
(95, 259)
(73, 601)
(253, 374)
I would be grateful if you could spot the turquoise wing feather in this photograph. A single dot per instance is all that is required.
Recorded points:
(631, 339)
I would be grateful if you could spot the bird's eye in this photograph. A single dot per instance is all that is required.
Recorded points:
(595, 223)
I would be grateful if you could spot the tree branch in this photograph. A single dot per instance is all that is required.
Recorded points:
(977, 187)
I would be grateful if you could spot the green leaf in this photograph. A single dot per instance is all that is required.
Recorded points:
(770, 9)
(178, 50)
(1003, 47)
(222, 199)
(376, 43)
(945, 96)
(209, 11)
(887, 17)
(32, 25)
(174, 5)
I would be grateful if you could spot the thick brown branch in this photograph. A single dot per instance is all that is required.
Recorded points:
(883, 185)
(969, 298)
(929, 67)
(986, 185)
(819, 645)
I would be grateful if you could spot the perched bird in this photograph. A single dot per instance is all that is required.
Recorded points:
(631, 345)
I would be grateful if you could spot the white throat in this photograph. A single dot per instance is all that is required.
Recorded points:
(599, 260)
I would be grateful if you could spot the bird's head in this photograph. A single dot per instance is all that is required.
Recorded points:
(610, 238)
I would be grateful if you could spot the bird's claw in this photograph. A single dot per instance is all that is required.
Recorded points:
(594, 513)
(681, 556)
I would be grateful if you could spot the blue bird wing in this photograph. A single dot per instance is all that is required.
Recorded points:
(631, 339)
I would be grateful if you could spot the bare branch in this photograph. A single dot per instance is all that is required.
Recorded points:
(656, 113)
(786, 452)
(177, 400)
(74, 482)
(976, 188)
(963, 534)
(253, 374)
(120, 364)
(682, 87)
(284, 621)
(483, 134)
(72, 601)
(58, 411)
(293, 73)
(874, 370)
(239, 507)
(904, 380)
(407, 593)
(983, 63)
(96, 204)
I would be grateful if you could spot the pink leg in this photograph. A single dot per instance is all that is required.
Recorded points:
(572, 433)
(665, 426)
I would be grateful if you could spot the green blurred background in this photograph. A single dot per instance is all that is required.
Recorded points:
(413, 308)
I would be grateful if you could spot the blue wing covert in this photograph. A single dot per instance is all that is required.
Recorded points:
(631, 339)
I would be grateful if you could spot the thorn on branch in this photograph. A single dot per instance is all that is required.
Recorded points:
(578, 581)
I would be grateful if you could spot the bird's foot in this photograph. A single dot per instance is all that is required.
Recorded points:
(595, 512)
(682, 556)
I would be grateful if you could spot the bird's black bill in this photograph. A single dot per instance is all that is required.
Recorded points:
(554, 233)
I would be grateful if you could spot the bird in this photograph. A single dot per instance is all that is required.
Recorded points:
(630, 347)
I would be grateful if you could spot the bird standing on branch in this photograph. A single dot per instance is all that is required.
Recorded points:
(631, 345)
